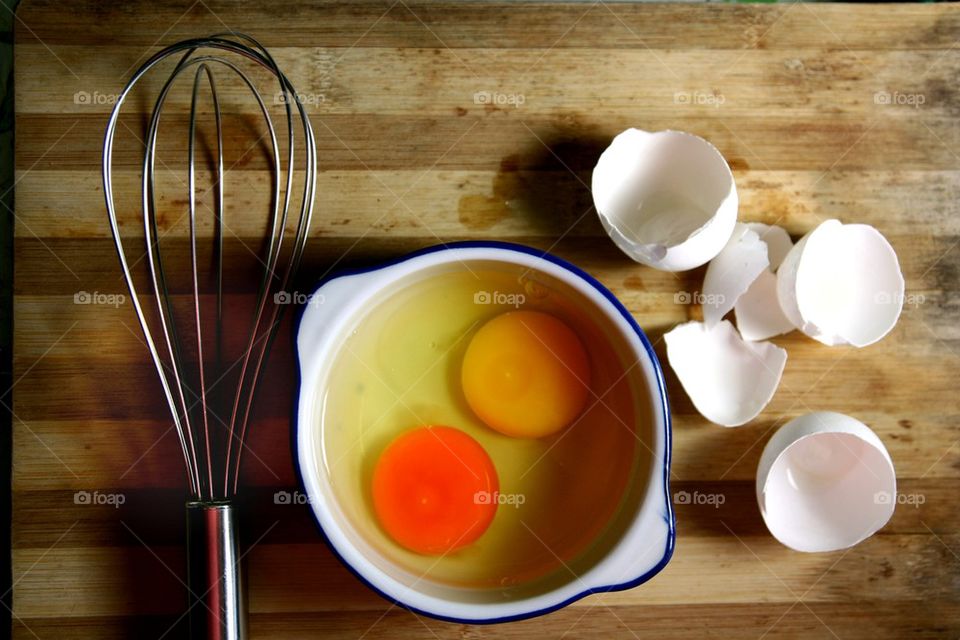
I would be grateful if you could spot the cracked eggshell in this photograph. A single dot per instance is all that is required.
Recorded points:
(731, 273)
(666, 198)
(728, 380)
(825, 482)
(758, 312)
(777, 239)
(841, 284)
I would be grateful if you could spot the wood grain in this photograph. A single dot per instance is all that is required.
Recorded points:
(788, 93)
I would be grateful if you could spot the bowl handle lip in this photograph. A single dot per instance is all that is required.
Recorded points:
(322, 309)
(346, 277)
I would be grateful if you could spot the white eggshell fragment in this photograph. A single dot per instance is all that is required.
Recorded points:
(731, 273)
(777, 239)
(787, 275)
(728, 380)
(841, 284)
(666, 198)
(825, 482)
(758, 311)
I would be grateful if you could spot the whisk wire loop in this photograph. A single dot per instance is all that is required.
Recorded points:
(210, 475)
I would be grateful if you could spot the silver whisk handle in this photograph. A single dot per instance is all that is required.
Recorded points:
(218, 608)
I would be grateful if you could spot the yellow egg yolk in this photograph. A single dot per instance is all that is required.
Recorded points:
(434, 490)
(526, 374)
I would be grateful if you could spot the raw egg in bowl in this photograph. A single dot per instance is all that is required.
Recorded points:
(483, 432)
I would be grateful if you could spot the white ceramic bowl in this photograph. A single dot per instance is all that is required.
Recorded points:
(630, 551)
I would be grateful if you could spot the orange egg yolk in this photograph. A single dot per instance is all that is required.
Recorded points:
(434, 490)
(526, 374)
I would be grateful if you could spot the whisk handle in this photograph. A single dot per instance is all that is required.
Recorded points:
(217, 600)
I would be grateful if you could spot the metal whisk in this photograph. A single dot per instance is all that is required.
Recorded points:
(211, 425)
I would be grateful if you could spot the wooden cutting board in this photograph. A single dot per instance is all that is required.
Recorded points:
(846, 111)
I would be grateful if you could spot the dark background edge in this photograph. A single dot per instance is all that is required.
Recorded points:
(7, 19)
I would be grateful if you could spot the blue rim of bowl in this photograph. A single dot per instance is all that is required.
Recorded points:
(664, 405)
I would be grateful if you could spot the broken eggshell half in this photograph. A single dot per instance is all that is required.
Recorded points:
(731, 272)
(758, 312)
(777, 240)
(728, 380)
(841, 284)
(825, 482)
(666, 198)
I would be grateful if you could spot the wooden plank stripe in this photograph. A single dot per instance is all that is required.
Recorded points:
(101, 520)
(298, 577)
(849, 620)
(501, 25)
(385, 142)
(509, 202)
